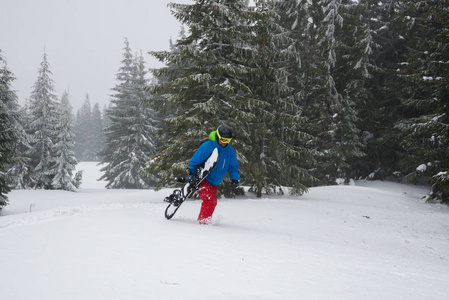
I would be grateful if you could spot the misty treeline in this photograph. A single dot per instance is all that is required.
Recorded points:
(43, 141)
(38, 140)
(316, 91)
(88, 131)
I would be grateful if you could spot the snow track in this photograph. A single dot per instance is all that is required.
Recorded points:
(31, 218)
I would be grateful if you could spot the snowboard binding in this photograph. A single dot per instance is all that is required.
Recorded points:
(176, 198)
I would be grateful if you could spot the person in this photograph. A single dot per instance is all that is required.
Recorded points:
(227, 162)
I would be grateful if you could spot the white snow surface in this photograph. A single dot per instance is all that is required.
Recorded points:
(373, 240)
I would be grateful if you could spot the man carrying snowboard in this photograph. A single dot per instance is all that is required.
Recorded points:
(227, 162)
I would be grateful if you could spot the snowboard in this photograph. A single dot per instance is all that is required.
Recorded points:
(177, 198)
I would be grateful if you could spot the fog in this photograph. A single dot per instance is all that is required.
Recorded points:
(83, 40)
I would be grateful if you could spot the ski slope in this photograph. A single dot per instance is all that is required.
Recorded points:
(374, 240)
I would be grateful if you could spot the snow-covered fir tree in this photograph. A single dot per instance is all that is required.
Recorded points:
(374, 84)
(97, 132)
(426, 131)
(201, 85)
(20, 173)
(276, 142)
(368, 76)
(212, 76)
(88, 132)
(337, 134)
(78, 136)
(63, 149)
(129, 137)
(8, 129)
(43, 127)
(299, 18)
(354, 72)
(105, 120)
(314, 28)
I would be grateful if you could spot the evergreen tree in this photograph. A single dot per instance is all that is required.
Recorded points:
(351, 73)
(276, 143)
(294, 18)
(338, 139)
(43, 125)
(63, 149)
(314, 27)
(89, 137)
(78, 136)
(222, 72)
(299, 19)
(426, 91)
(84, 132)
(354, 71)
(20, 176)
(379, 32)
(201, 85)
(129, 140)
(8, 130)
(106, 122)
(367, 76)
(97, 132)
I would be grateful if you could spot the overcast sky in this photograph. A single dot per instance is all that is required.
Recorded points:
(83, 39)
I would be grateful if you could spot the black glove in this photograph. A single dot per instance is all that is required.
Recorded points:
(234, 184)
(193, 179)
(193, 182)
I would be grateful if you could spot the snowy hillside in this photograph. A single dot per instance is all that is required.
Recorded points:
(373, 240)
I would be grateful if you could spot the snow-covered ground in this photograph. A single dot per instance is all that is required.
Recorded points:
(374, 240)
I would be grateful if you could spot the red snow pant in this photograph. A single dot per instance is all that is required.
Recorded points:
(207, 193)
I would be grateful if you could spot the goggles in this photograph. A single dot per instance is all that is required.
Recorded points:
(222, 139)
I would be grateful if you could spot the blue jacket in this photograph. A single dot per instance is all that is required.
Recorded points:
(227, 162)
